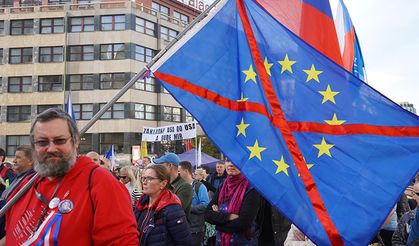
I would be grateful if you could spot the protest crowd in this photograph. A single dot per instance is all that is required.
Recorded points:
(79, 200)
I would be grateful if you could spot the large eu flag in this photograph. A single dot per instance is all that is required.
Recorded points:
(327, 150)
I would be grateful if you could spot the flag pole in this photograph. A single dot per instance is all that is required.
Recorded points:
(118, 95)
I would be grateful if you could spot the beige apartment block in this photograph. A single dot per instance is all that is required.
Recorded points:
(50, 48)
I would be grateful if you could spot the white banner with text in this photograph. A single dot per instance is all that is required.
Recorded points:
(169, 133)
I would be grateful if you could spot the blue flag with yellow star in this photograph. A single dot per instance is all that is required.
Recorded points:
(327, 150)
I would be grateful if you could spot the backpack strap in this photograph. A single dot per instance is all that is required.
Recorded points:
(90, 188)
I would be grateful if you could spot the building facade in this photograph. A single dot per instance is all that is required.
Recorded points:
(91, 48)
(408, 106)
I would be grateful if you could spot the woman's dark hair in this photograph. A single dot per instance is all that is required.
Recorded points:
(162, 173)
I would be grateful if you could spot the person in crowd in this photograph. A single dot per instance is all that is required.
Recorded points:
(22, 166)
(210, 232)
(233, 210)
(71, 202)
(127, 177)
(160, 217)
(94, 156)
(201, 175)
(6, 174)
(404, 226)
(217, 178)
(274, 226)
(146, 161)
(106, 164)
(200, 201)
(296, 238)
(182, 189)
(413, 239)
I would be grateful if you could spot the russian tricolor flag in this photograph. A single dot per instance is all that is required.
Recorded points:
(325, 25)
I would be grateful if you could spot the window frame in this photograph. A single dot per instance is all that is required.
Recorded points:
(21, 55)
(82, 81)
(25, 28)
(50, 84)
(20, 115)
(114, 23)
(110, 113)
(104, 55)
(81, 112)
(171, 114)
(53, 26)
(20, 140)
(114, 82)
(51, 56)
(84, 56)
(82, 25)
(21, 83)
(144, 28)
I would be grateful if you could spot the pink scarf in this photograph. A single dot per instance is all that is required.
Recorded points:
(234, 187)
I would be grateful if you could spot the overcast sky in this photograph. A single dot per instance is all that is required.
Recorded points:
(389, 36)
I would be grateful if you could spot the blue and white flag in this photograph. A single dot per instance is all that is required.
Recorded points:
(110, 155)
(69, 107)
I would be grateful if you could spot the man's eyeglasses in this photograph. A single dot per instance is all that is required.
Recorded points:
(122, 177)
(57, 141)
(147, 179)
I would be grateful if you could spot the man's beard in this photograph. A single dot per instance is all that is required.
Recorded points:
(54, 168)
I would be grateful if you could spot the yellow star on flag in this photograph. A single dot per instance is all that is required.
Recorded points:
(282, 166)
(334, 121)
(313, 74)
(255, 150)
(242, 98)
(268, 66)
(242, 128)
(286, 64)
(324, 148)
(329, 95)
(250, 74)
(308, 166)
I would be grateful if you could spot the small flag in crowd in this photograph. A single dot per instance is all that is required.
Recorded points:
(110, 155)
(69, 107)
(327, 150)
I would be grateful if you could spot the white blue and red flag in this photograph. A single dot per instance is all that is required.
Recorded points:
(326, 149)
(69, 107)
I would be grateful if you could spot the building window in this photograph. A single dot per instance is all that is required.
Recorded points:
(2, 27)
(30, 2)
(144, 111)
(181, 17)
(143, 54)
(52, 2)
(82, 24)
(164, 11)
(112, 51)
(18, 113)
(112, 22)
(167, 33)
(171, 114)
(81, 53)
(42, 108)
(112, 80)
(51, 54)
(50, 83)
(81, 82)
(145, 26)
(20, 84)
(12, 142)
(55, 25)
(1, 56)
(149, 84)
(20, 55)
(114, 112)
(83, 111)
(108, 139)
(21, 27)
(188, 116)
(85, 145)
